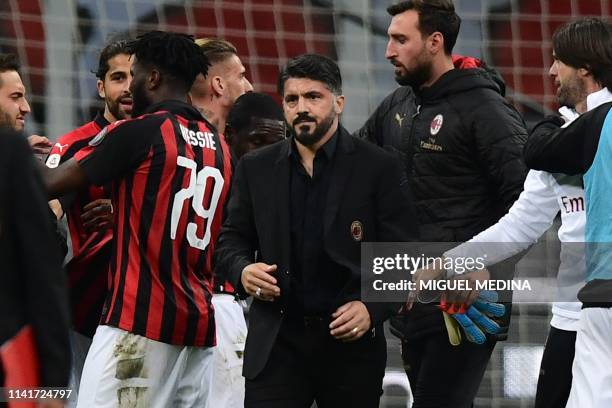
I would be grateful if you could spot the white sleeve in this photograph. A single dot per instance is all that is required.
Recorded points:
(528, 218)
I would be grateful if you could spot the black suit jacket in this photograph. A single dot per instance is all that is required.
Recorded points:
(366, 186)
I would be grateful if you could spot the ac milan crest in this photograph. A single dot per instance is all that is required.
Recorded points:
(357, 231)
(436, 124)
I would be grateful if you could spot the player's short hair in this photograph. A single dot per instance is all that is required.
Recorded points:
(253, 105)
(312, 66)
(216, 49)
(434, 16)
(175, 55)
(110, 50)
(586, 43)
(9, 62)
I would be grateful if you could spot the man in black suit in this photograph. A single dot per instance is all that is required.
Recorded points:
(304, 205)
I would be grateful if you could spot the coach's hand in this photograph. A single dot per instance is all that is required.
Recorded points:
(258, 281)
(97, 215)
(351, 321)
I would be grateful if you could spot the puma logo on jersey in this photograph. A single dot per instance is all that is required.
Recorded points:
(399, 118)
(61, 147)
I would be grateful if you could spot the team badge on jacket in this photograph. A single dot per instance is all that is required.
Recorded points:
(357, 231)
(436, 124)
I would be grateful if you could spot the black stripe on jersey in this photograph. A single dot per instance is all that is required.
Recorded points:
(115, 313)
(147, 215)
(75, 147)
(167, 249)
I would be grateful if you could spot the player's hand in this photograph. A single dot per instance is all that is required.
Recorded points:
(40, 144)
(51, 403)
(351, 321)
(98, 215)
(466, 297)
(432, 271)
(258, 281)
(475, 320)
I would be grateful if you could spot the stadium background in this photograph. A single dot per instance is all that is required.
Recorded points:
(57, 42)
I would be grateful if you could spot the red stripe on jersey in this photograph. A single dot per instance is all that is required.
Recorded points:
(135, 247)
(156, 303)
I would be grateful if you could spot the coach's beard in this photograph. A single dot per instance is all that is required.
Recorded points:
(308, 139)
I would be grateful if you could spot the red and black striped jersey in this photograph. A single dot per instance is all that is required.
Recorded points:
(88, 267)
(170, 173)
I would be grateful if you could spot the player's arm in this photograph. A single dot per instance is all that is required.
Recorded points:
(529, 217)
(117, 149)
(500, 133)
(568, 150)
(65, 178)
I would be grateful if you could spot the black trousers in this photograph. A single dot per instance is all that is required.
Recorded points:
(442, 375)
(306, 364)
(555, 380)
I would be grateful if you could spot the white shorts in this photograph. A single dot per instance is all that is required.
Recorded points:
(123, 369)
(228, 382)
(79, 346)
(592, 369)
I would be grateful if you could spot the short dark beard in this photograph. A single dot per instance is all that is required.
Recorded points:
(307, 139)
(572, 93)
(417, 77)
(6, 121)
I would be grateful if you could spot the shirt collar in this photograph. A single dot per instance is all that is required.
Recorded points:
(176, 107)
(598, 98)
(100, 120)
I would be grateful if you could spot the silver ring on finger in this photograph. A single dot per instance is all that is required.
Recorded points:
(258, 292)
(355, 330)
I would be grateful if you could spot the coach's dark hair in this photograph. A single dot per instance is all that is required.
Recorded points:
(216, 49)
(253, 105)
(434, 16)
(175, 55)
(586, 43)
(110, 50)
(312, 66)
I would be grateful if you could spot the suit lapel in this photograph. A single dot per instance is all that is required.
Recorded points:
(341, 171)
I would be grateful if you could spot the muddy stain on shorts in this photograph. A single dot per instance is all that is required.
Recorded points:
(132, 397)
(130, 352)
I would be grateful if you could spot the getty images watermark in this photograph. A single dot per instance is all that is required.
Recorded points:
(449, 276)
(517, 272)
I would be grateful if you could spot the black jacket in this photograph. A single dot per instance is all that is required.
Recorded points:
(32, 284)
(364, 186)
(461, 143)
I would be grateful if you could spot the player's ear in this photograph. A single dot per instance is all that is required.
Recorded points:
(435, 42)
(100, 86)
(153, 79)
(218, 85)
(339, 104)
